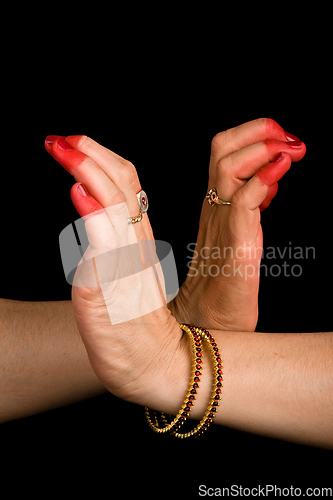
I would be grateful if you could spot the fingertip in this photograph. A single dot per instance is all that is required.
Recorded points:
(84, 203)
(50, 139)
(76, 140)
(64, 153)
(272, 192)
(274, 171)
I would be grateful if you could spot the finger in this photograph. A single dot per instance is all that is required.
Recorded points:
(84, 203)
(254, 192)
(122, 173)
(101, 188)
(234, 139)
(229, 141)
(244, 216)
(86, 171)
(112, 165)
(272, 192)
(234, 170)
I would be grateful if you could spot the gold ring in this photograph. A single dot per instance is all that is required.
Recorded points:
(213, 198)
(143, 203)
(134, 220)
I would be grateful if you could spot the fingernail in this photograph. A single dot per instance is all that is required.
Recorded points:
(295, 144)
(82, 190)
(62, 144)
(291, 137)
(51, 138)
(277, 158)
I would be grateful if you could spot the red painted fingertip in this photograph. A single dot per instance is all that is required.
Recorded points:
(84, 203)
(50, 139)
(62, 144)
(271, 194)
(68, 157)
(291, 137)
(271, 173)
(295, 144)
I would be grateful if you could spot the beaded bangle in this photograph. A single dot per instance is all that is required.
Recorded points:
(217, 383)
(183, 413)
(196, 334)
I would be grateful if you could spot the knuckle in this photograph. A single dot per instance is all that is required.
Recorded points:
(218, 142)
(221, 140)
(126, 173)
(223, 166)
(268, 125)
(129, 165)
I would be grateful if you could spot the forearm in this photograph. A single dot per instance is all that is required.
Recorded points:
(275, 384)
(43, 362)
(279, 385)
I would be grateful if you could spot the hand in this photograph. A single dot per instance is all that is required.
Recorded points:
(221, 289)
(130, 336)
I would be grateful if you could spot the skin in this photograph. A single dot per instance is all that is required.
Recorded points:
(237, 157)
(158, 366)
(43, 363)
(147, 360)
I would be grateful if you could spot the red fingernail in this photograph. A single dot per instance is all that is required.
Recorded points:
(277, 158)
(82, 190)
(51, 138)
(296, 144)
(62, 144)
(291, 137)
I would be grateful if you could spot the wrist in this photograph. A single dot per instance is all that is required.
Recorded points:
(180, 308)
(198, 337)
(169, 393)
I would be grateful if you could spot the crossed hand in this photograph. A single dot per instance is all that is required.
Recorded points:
(130, 332)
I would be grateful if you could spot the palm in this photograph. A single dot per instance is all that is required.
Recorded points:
(221, 288)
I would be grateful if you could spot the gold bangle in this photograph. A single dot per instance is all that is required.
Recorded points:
(195, 334)
(217, 383)
(183, 413)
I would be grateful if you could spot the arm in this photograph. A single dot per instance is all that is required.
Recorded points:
(43, 363)
(275, 384)
(34, 336)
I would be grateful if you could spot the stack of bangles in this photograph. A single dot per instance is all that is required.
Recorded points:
(196, 336)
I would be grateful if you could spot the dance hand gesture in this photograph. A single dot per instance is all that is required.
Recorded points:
(221, 289)
(118, 291)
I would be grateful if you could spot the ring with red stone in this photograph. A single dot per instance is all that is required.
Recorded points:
(143, 201)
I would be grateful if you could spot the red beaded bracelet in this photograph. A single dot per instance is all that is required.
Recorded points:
(195, 334)
(183, 413)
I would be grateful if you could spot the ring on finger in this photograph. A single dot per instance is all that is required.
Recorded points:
(138, 218)
(213, 198)
(143, 202)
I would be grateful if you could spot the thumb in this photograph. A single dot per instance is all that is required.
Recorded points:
(260, 189)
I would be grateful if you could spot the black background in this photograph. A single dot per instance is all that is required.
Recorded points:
(159, 106)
